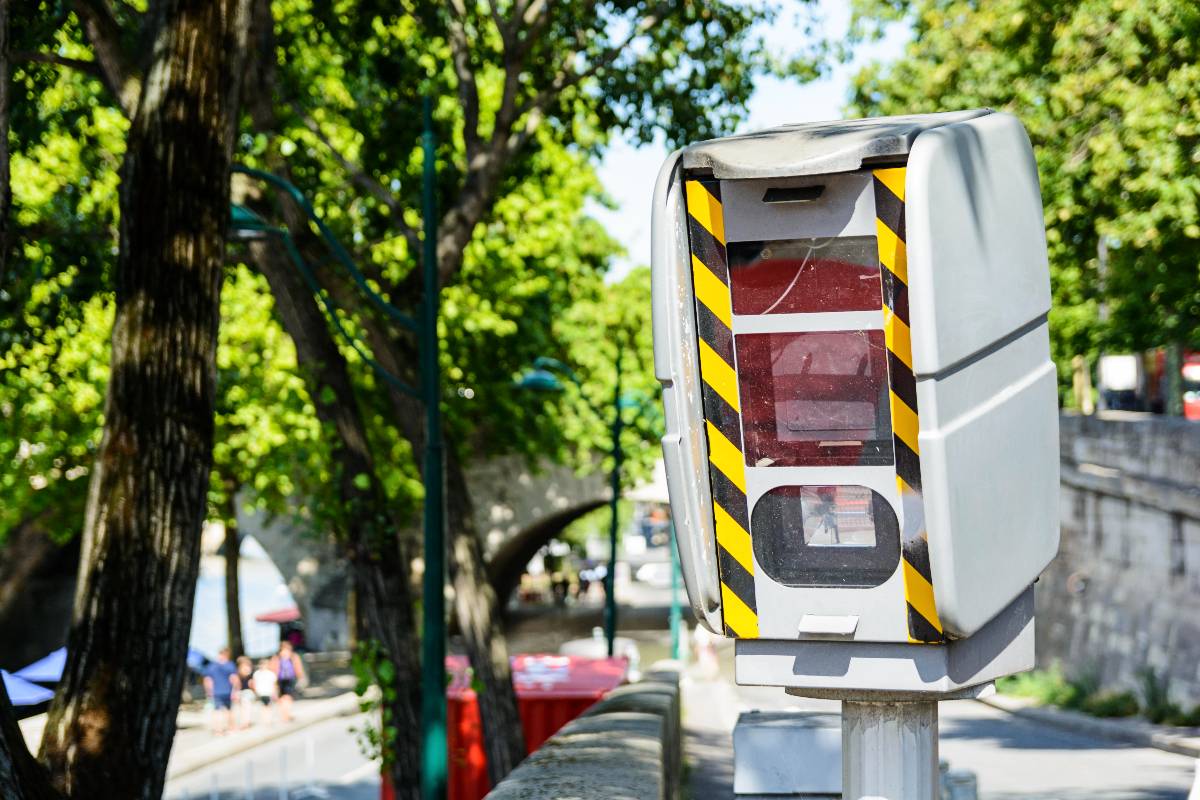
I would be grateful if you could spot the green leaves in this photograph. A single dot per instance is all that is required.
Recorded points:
(348, 81)
(1108, 90)
(268, 444)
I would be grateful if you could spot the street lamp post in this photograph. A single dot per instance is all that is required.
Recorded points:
(610, 580)
(245, 224)
(542, 378)
(678, 649)
(433, 639)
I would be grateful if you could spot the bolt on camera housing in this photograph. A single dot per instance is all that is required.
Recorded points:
(850, 326)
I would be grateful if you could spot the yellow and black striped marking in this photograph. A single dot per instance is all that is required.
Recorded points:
(722, 411)
(923, 623)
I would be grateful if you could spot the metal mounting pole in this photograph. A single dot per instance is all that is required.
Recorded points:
(889, 750)
(433, 640)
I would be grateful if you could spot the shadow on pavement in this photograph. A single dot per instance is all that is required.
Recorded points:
(709, 765)
(1149, 793)
(1017, 734)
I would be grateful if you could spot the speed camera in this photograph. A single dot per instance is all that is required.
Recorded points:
(850, 324)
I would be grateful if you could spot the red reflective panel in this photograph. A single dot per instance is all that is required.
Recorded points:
(805, 275)
(814, 398)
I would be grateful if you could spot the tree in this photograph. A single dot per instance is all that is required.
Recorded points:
(527, 95)
(517, 83)
(110, 730)
(1109, 93)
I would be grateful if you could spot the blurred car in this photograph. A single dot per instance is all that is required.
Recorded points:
(654, 573)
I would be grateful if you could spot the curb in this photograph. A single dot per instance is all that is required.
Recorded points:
(342, 705)
(1130, 730)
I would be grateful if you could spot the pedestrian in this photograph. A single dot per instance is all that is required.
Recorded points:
(220, 682)
(265, 685)
(245, 694)
(288, 670)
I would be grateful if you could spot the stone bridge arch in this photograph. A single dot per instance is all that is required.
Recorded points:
(517, 507)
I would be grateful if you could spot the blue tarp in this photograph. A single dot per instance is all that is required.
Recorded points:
(24, 693)
(50, 668)
(45, 670)
(196, 660)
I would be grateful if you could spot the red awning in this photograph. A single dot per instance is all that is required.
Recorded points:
(289, 614)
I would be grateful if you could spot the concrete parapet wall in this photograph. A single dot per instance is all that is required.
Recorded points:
(626, 747)
(1124, 593)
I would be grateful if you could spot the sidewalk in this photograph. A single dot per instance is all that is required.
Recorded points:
(196, 747)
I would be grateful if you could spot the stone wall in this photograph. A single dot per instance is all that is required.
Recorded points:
(1124, 593)
(626, 747)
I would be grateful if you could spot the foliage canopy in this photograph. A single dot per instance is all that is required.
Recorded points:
(1109, 91)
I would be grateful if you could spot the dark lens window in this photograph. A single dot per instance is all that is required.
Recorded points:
(815, 398)
(805, 275)
(825, 536)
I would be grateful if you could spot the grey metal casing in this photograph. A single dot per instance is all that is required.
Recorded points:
(979, 295)
(979, 289)
(676, 365)
(1004, 646)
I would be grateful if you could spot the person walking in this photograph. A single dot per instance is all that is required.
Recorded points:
(264, 683)
(288, 670)
(220, 682)
(245, 693)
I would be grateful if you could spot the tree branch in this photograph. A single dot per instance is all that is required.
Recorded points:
(366, 182)
(468, 92)
(395, 354)
(104, 33)
(485, 170)
(502, 27)
(567, 78)
(78, 64)
(534, 17)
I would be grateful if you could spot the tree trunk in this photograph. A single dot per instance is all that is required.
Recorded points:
(110, 727)
(233, 552)
(479, 621)
(383, 598)
(26, 548)
(21, 776)
(381, 577)
(475, 605)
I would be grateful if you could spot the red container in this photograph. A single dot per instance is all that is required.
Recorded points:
(551, 690)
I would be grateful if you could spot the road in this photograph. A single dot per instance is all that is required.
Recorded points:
(320, 762)
(1017, 758)
(1011, 757)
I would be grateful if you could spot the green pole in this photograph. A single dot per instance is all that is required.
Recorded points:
(678, 651)
(610, 580)
(433, 642)
(1173, 380)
